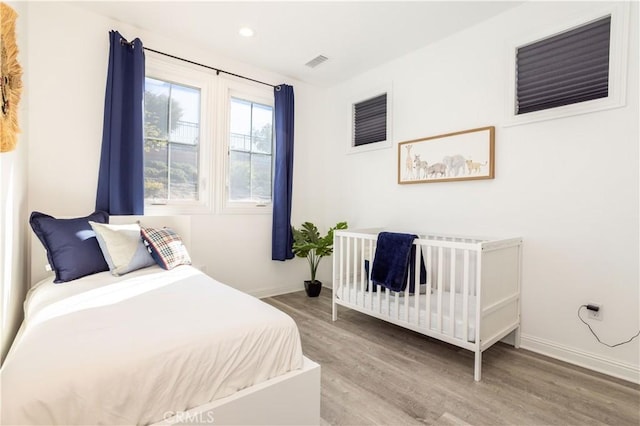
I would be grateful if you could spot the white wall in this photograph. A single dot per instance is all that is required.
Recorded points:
(68, 56)
(13, 208)
(568, 186)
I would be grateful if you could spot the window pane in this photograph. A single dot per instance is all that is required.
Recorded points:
(172, 129)
(156, 171)
(240, 123)
(564, 69)
(370, 121)
(239, 142)
(239, 176)
(261, 128)
(183, 165)
(185, 114)
(250, 149)
(261, 177)
(156, 108)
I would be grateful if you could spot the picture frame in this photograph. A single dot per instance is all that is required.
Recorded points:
(457, 156)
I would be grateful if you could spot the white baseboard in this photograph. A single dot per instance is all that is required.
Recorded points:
(261, 293)
(581, 358)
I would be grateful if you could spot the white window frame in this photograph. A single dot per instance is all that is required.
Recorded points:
(188, 75)
(252, 92)
(363, 96)
(617, 67)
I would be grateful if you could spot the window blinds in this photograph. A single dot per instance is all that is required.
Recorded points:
(370, 121)
(564, 69)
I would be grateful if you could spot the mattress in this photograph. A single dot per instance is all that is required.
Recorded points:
(362, 299)
(128, 350)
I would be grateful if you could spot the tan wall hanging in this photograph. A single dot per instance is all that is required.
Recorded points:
(10, 79)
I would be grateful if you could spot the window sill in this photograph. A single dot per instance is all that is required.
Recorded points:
(369, 147)
(176, 209)
(564, 111)
(247, 209)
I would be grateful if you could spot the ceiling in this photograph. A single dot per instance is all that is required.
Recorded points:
(355, 36)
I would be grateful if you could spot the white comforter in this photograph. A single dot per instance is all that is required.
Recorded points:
(108, 350)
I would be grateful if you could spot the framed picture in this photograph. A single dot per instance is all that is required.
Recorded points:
(465, 155)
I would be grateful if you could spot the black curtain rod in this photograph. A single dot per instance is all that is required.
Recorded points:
(217, 70)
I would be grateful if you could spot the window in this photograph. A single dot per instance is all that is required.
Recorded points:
(172, 141)
(370, 121)
(178, 138)
(250, 151)
(370, 116)
(207, 138)
(564, 69)
(575, 68)
(247, 148)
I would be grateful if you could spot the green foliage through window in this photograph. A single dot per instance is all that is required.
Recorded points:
(250, 151)
(172, 133)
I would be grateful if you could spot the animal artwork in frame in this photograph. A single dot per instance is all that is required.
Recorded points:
(464, 155)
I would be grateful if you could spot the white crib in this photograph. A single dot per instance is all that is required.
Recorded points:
(471, 298)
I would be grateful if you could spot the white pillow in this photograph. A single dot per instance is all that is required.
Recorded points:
(122, 247)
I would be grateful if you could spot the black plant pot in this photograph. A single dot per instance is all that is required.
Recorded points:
(313, 288)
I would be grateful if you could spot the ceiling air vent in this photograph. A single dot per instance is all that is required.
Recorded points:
(316, 61)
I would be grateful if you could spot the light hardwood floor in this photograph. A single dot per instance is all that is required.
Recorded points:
(376, 373)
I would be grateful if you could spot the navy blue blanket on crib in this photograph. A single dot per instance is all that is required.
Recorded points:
(394, 259)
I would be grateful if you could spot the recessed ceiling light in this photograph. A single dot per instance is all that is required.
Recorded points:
(246, 32)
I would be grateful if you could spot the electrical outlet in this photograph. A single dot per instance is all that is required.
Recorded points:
(595, 315)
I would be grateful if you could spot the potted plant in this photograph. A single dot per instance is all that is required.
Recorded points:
(308, 243)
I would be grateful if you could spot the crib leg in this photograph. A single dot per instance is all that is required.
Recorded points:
(334, 312)
(477, 373)
(516, 338)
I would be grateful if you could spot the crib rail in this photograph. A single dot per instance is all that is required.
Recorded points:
(448, 306)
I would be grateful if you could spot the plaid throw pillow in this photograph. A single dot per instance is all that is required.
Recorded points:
(166, 247)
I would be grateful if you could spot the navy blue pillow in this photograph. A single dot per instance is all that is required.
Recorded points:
(71, 244)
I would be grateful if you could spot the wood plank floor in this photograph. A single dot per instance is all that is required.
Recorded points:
(376, 373)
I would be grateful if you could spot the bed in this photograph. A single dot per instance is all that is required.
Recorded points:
(155, 346)
(471, 292)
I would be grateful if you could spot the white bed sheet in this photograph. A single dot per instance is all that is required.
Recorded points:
(360, 298)
(127, 350)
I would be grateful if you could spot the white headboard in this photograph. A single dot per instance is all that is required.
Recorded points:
(180, 224)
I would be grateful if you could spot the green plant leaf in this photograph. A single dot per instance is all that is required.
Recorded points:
(308, 243)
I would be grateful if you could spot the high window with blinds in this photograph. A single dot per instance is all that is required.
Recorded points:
(564, 69)
(370, 121)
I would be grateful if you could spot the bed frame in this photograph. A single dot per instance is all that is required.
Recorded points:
(290, 399)
(476, 279)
